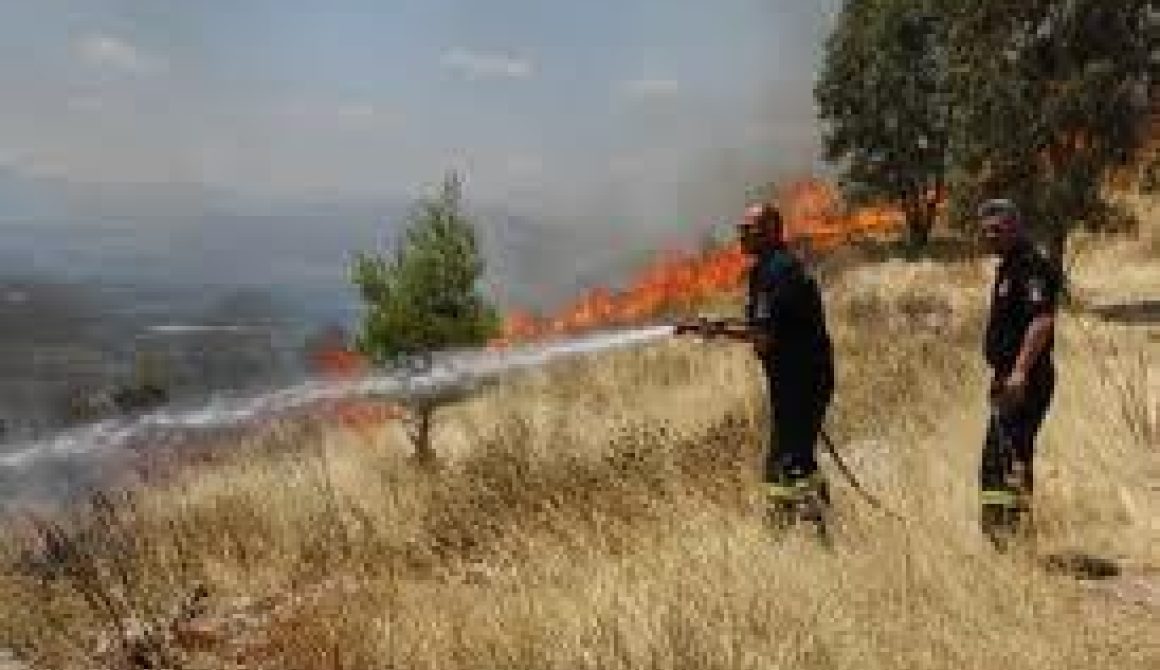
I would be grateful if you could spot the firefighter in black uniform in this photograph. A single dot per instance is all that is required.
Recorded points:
(1018, 344)
(785, 323)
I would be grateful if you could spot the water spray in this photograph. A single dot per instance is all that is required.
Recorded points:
(57, 461)
(71, 454)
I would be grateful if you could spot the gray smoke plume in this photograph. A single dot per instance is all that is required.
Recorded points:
(75, 460)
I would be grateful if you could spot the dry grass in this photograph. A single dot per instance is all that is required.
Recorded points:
(598, 514)
(1121, 268)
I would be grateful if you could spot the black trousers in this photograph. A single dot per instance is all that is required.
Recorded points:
(799, 400)
(1010, 444)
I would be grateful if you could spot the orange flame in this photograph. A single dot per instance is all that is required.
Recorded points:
(332, 358)
(813, 211)
(340, 363)
(672, 282)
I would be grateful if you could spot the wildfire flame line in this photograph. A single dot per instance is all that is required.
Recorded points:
(813, 212)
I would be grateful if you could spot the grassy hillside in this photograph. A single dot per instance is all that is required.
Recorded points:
(599, 513)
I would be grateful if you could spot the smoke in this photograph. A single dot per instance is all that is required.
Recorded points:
(683, 109)
(64, 340)
(73, 461)
(685, 161)
(214, 191)
(54, 336)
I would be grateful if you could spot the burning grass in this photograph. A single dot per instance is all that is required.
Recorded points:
(599, 513)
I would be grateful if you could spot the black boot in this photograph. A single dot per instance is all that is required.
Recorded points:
(815, 510)
(797, 498)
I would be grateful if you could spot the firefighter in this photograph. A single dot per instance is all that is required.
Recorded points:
(1018, 349)
(786, 326)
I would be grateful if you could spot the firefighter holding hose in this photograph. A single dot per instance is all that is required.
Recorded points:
(786, 326)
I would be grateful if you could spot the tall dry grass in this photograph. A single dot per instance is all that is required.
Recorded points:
(599, 513)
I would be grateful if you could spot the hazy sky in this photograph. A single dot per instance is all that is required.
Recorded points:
(543, 102)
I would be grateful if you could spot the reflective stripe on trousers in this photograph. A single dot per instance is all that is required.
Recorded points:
(794, 489)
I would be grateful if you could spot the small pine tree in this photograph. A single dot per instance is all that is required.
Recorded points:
(425, 297)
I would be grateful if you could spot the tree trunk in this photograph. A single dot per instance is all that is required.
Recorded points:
(918, 226)
(420, 431)
(919, 232)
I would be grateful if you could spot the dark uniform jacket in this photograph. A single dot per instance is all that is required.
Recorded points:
(785, 301)
(1027, 285)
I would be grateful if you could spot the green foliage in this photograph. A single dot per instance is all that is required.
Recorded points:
(882, 94)
(1038, 101)
(424, 296)
(1050, 98)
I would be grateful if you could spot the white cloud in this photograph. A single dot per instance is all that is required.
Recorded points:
(478, 65)
(114, 53)
(650, 89)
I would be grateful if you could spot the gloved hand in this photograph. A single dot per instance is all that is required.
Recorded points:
(702, 327)
(1007, 393)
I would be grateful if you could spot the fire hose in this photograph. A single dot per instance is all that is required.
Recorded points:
(713, 326)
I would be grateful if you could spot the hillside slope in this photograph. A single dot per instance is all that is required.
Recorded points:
(599, 513)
